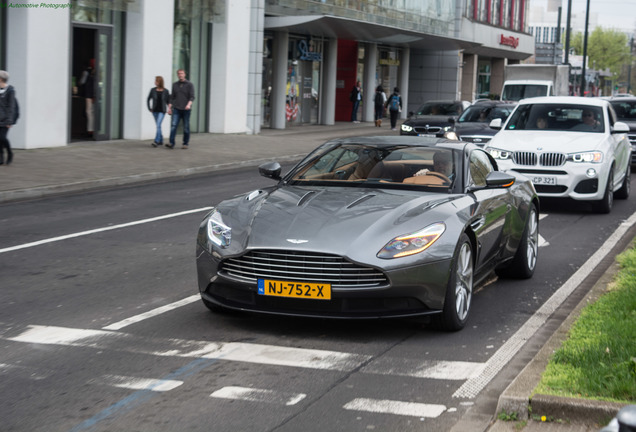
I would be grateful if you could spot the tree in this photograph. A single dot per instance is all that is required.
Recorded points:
(607, 49)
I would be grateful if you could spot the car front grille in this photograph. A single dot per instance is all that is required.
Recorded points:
(478, 140)
(302, 267)
(429, 130)
(543, 159)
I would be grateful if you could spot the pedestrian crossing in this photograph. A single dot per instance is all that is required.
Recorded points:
(257, 354)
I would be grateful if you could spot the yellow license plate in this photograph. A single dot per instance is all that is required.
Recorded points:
(316, 291)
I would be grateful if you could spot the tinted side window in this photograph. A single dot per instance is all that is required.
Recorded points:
(480, 167)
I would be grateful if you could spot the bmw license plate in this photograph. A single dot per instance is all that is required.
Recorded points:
(316, 291)
(544, 180)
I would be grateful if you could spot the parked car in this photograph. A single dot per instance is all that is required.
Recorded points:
(569, 147)
(474, 124)
(433, 118)
(370, 227)
(625, 107)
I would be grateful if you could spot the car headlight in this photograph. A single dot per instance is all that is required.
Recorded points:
(414, 243)
(451, 135)
(406, 128)
(219, 233)
(587, 157)
(500, 154)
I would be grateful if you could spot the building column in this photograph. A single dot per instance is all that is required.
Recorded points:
(328, 100)
(369, 83)
(229, 74)
(39, 66)
(469, 77)
(148, 53)
(497, 75)
(279, 79)
(255, 67)
(403, 80)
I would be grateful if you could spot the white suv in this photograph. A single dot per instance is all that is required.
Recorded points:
(568, 146)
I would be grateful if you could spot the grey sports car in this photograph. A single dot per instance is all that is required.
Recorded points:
(370, 227)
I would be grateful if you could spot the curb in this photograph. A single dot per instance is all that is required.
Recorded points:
(519, 396)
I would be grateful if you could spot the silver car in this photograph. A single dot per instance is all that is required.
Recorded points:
(570, 147)
(370, 227)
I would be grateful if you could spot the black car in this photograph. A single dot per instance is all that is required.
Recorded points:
(625, 108)
(433, 118)
(474, 124)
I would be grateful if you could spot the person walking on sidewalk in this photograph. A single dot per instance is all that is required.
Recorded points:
(180, 107)
(8, 115)
(379, 101)
(355, 96)
(158, 101)
(394, 103)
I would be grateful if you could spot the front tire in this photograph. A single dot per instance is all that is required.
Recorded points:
(626, 186)
(459, 293)
(605, 205)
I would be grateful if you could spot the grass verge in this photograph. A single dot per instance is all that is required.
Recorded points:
(598, 360)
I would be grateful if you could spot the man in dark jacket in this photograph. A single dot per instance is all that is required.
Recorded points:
(7, 115)
(180, 107)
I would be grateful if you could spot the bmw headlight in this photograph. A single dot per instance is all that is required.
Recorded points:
(406, 128)
(499, 154)
(219, 233)
(414, 243)
(587, 157)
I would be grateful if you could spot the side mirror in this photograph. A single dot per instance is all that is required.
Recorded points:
(620, 127)
(498, 179)
(495, 123)
(451, 120)
(411, 113)
(270, 170)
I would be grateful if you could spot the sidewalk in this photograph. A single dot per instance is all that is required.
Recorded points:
(87, 166)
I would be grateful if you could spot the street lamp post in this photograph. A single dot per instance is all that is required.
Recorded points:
(587, 18)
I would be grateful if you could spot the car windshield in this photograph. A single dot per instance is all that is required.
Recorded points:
(557, 117)
(440, 108)
(625, 110)
(484, 114)
(516, 92)
(402, 167)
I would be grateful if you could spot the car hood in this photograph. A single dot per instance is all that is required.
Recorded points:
(474, 128)
(548, 141)
(431, 120)
(348, 221)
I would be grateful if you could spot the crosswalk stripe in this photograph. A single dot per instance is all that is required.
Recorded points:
(133, 383)
(395, 407)
(259, 395)
(446, 370)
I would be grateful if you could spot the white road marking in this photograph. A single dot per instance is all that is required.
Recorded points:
(395, 407)
(443, 370)
(233, 351)
(259, 395)
(133, 383)
(473, 386)
(158, 311)
(98, 230)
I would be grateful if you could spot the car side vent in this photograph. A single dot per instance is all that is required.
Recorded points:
(524, 158)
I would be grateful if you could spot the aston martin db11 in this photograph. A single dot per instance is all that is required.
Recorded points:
(370, 227)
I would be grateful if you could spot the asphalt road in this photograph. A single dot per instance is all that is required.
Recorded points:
(101, 328)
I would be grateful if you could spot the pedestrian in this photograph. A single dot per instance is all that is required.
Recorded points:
(355, 96)
(158, 101)
(379, 101)
(180, 107)
(394, 103)
(87, 91)
(8, 115)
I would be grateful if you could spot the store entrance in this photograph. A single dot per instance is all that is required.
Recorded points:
(91, 82)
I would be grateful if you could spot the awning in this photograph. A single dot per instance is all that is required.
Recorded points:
(362, 31)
